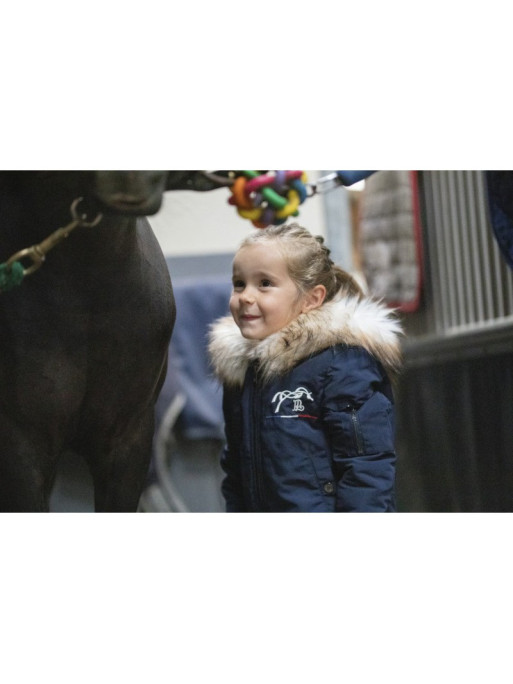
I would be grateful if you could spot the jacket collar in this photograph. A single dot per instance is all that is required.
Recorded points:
(351, 321)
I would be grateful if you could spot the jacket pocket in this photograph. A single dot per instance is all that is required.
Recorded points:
(373, 425)
(362, 429)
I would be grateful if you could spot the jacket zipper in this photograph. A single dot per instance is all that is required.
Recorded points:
(357, 432)
(257, 451)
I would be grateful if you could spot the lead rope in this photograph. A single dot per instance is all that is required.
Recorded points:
(12, 272)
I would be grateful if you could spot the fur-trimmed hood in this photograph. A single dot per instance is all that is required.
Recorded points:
(351, 321)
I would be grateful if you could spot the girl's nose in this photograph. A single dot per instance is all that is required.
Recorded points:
(247, 295)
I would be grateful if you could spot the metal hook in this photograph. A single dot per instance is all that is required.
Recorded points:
(82, 218)
(326, 184)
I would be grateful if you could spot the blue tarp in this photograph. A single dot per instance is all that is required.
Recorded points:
(199, 302)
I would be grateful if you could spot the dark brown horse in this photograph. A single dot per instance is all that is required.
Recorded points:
(83, 341)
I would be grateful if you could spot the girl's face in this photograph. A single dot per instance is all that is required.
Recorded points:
(264, 298)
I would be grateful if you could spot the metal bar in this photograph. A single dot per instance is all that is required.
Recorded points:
(484, 250)
(464, 235)
(431, 269)
(468, 342)
(501, 309)
(493, 251)
(474, 247)
(447, 253)
(431, 262)
(456, 251)
(508, 279)
(442, 303)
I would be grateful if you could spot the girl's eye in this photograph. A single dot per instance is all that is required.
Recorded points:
(238, 285)
(266, 282)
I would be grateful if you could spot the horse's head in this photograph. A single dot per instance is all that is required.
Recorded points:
(48, 195)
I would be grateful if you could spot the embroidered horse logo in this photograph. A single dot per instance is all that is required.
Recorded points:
(295, 395)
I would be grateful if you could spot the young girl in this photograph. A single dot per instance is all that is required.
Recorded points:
(304, 360)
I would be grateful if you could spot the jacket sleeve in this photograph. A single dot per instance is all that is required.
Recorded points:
(360, 419)
(231, 486)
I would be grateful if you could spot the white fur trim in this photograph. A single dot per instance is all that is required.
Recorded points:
(352, 321)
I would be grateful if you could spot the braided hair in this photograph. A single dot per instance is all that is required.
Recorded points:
(308, 260)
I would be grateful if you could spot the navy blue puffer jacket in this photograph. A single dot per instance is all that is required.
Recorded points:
(309, 412)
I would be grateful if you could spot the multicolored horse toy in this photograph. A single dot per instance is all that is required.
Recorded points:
(268, 198)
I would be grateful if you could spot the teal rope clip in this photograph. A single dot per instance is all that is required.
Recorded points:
(11, 275)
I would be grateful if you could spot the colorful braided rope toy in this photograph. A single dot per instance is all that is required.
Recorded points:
(268, 198)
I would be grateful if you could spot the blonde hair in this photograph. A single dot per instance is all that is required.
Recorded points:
(307, 259)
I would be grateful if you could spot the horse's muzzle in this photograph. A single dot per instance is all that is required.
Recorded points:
(136, 193)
